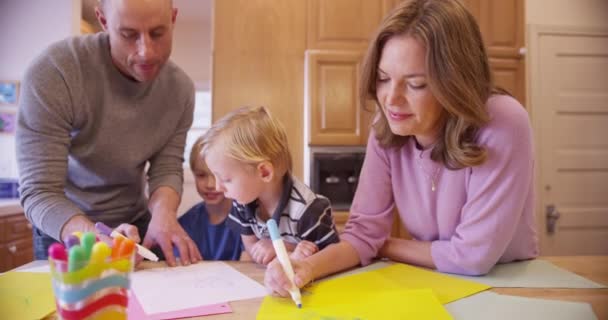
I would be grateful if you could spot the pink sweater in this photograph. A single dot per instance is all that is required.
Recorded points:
(477, 216)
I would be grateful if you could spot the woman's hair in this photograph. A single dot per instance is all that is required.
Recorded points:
(250, 135)
(458, 74)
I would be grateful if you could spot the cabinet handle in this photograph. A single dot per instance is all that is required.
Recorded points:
(332, 180)
(12, 249)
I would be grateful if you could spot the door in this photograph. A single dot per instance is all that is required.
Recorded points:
(570, 113)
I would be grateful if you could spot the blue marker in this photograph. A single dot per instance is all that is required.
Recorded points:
(279, 247)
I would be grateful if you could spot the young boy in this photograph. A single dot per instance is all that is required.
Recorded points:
(247, 152)
(206, 223)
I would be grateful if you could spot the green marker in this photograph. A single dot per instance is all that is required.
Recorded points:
(87, 241)
(77, 258)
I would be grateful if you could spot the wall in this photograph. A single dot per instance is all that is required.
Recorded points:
(588, 13)
(21, 23)
(192, 50)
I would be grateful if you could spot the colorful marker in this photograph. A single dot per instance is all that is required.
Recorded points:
(71, 241)
(279, 247)
(100, 252)
(141, 250)
(77, 258)
(87, 240)
(59, 256)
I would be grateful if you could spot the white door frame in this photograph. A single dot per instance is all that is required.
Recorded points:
(535, 100)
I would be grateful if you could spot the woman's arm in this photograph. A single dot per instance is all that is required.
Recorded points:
(408, 251)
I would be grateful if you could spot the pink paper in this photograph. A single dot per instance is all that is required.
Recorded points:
(136, 312)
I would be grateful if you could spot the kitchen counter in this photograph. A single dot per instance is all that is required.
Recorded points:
(9, 207)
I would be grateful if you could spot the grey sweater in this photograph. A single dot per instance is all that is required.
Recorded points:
(85, 134)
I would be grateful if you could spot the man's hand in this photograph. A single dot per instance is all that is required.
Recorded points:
(76, 223)
(304, 249)
(262, 251)
(165, 231)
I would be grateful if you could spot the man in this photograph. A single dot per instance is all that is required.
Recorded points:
(97, 110)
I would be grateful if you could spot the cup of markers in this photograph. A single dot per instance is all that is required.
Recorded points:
(90, 277)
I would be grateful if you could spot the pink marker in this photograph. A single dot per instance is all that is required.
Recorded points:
(59, 255)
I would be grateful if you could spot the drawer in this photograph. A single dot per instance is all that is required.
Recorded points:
(3, 235)
(17, 227)
(16, 253)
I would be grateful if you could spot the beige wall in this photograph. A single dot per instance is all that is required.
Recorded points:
(192, 50)
(21, 41)
(588, 13)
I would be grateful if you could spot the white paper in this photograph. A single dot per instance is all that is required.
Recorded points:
(42, 269)
(169, 289)
(532, 274)
(489, 305)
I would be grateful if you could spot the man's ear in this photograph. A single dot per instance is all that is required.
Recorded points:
(266, 171)
(174, 15)
(101, 18)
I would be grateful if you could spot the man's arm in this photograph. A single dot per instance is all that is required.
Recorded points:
(165, 179)
(42, 145)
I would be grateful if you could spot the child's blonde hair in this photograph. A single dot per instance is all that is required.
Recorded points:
(250, 135)
(195, 153)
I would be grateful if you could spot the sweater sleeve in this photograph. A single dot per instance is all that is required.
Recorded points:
(496, 194)
(166, 166)
(371, 213)
(42, 143)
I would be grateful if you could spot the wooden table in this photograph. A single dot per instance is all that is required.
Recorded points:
(592, 267)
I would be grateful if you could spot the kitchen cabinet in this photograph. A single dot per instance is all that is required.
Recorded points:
(343, 24)
(502, 27)
(258, 60)
(16, 246)
(335, 114)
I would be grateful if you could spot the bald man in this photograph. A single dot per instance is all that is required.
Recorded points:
(102, 123)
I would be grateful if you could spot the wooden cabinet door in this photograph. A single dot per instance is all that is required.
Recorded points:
(509, 74)
(258, 60)
(343, 24)
(16, 246)
(334, 112)
(502, 27)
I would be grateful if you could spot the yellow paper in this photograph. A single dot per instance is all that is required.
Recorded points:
(445, 287)
(26, 295)
(401, 276)
(391, 304)
(395, 292)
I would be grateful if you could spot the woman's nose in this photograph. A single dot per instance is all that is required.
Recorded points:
(396, 94)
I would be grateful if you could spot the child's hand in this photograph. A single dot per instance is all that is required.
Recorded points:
(262, 251)
(278, 284)
(304, 249)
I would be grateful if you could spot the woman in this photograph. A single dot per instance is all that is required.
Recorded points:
(453, 154)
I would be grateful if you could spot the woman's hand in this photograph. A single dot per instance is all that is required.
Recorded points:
(276, 280)
(304, 249)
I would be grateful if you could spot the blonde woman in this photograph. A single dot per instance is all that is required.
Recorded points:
(450, 152)
(247, 152)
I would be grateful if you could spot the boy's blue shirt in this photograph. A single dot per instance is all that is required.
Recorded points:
(215, 242)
